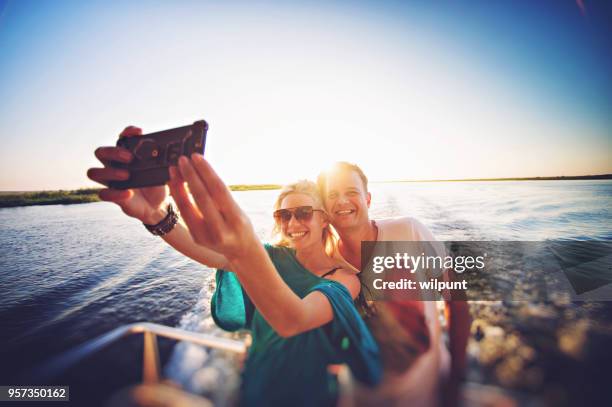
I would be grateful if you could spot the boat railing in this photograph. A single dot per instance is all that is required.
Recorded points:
(150, 365)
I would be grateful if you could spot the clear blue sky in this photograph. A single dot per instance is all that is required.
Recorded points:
(425, 90)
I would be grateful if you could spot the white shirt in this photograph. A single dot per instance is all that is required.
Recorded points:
(420, 384)
(402, 229)
(407, 229)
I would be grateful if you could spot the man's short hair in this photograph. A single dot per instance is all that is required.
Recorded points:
(340, 166)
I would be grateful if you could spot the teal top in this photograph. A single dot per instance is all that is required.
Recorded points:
(293, 371)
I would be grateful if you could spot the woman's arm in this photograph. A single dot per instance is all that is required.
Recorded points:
(180, 239)
(267, 290)
(215, 220)
(282, 308)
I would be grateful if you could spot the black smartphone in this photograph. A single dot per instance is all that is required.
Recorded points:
(155, 152)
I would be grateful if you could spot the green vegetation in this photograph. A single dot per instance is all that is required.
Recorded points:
(256, 187)
(8, 200)
(13, 199)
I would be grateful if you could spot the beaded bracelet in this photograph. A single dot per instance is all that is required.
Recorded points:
(166, 224)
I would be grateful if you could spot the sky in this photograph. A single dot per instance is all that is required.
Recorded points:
(407, 90)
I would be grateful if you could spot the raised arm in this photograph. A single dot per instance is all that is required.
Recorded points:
(146, 204)
(216, 221)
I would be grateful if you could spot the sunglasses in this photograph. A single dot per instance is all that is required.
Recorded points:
(301, 213)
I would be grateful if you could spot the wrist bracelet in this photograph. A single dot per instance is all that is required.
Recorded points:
(165, 225)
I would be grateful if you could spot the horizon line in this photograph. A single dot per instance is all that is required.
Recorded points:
(536, 178)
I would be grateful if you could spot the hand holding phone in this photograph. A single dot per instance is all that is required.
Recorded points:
(153, 153)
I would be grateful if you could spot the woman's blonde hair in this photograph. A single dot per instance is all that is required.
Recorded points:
(329, 237)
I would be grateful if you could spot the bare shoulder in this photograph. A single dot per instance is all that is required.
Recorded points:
(347, 278)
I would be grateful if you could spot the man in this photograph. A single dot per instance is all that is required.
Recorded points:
(344, 189)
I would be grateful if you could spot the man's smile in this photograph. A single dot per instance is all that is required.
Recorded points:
(344, 212)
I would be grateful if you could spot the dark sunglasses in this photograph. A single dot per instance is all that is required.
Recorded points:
(301, 213)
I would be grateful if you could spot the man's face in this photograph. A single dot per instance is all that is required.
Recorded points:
(346, 200)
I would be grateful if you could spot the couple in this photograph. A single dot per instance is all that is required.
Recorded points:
(297, 297)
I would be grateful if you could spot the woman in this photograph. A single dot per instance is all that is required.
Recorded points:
(296, 300)
(291, 366)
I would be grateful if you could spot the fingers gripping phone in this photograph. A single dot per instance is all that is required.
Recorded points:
(155, 152)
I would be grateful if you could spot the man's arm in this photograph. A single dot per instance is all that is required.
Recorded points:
(458, 321)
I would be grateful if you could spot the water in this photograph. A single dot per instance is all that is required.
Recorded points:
(70, 273)
(503, 210)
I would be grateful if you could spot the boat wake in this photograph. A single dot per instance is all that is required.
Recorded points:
(211, 373)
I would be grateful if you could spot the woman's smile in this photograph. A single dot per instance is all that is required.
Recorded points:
(297, 235)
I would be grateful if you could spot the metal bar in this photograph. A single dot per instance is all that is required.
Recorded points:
(150, 359)
(210, 341)
(60, 363)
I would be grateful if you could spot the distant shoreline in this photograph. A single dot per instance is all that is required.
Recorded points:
(10, 199)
